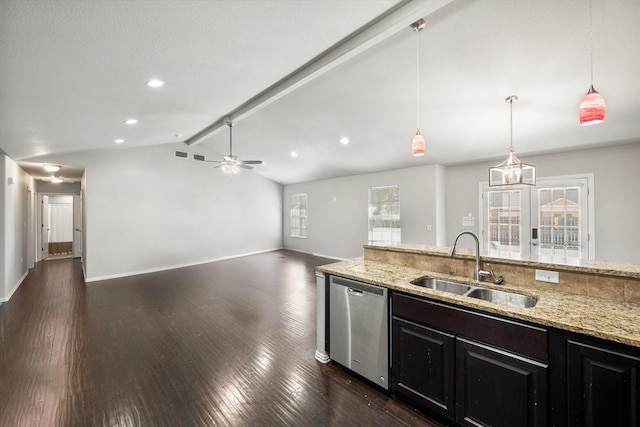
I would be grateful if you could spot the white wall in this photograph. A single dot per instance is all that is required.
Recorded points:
(145, 210)
(13, 225)
(441, 196)
(337, 210)
(616, 172)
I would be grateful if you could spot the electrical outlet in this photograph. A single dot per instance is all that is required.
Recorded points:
(547, 276)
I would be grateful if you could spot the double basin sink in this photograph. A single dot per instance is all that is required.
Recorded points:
(511, 299)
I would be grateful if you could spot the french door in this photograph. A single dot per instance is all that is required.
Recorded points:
(552, 219)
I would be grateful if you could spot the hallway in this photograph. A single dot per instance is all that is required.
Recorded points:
(229, 343)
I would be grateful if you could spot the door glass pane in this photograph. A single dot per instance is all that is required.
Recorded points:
(504, 221)
(560, 230)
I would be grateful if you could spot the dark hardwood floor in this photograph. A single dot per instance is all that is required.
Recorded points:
(229, 343)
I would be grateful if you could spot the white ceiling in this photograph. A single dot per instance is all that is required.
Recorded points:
(73, 71)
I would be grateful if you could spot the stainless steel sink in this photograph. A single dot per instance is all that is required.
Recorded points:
(442, 285)
(501, 297)
(511, 299)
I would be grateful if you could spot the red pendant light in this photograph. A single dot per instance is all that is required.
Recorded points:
(592, 108)
(418, 144)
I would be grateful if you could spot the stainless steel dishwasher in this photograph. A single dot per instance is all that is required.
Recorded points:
(359, 328)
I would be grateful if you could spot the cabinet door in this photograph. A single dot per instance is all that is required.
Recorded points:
(498, 388)
(603, 386)
(423, 366)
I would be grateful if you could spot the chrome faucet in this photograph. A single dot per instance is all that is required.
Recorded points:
(478, 273)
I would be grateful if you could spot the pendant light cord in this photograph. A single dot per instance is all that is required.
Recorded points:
(511, 125)
(417, 30)
(591, 38)
(511, 99)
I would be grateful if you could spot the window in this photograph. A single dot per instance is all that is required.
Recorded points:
(384, 214)
(298, 216)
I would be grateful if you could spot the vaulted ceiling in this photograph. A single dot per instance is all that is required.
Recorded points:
(71, 73)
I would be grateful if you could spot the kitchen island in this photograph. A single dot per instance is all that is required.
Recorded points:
(572, 358)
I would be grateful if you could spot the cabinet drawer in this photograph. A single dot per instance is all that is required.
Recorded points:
(504, 333)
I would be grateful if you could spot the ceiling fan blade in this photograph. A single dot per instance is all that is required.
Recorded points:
(214, 161)
(252, 162)
(243, 166)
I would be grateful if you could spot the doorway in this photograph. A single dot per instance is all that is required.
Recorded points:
(554, 219)
(59, 226)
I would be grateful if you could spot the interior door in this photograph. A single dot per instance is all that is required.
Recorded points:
(77, 226)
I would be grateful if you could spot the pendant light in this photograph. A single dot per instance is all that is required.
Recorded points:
(592, 107)
(418, 145)
(512, 171)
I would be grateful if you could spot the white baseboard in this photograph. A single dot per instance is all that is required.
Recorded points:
(15, 288)
(172, 267)
(315, 254)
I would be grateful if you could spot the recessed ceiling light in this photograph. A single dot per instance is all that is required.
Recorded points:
(177, 135)
(131, 121)
(155, 83)
(51, 168)
(119, 141)
(293, 154)
(344, 140)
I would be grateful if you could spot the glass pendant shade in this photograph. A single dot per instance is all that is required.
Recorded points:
(512, 172)
(418, 145)
(592, 108)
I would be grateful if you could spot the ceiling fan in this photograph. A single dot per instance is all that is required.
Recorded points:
(230, 164)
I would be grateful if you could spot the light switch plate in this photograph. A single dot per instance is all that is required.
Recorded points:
(547, 276)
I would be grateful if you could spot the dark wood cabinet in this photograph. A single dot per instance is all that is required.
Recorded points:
(423, 361)
(474, 368)
(498, 388)
(603, 385)
(480, 369)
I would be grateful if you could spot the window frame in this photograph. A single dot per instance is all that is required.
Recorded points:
(301, 218)
(394, 232)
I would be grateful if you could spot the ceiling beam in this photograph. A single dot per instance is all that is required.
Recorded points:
(396, 19)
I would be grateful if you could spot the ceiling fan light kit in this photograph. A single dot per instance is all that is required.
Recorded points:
(512, 171)
(230, 164)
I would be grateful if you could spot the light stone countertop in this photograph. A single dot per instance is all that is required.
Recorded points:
(596, 317)
(555, 263)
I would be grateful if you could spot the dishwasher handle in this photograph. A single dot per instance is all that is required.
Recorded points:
(360, 286)
(356, 292)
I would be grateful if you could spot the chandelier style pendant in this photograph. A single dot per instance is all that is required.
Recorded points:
(512, 171)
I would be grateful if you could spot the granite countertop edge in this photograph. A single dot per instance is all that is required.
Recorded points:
(619, 322)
